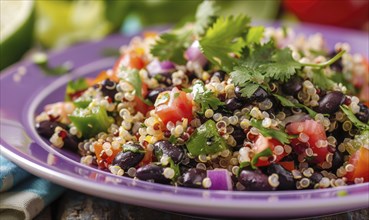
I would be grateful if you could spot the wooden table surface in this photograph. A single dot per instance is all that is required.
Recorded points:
(74, 205)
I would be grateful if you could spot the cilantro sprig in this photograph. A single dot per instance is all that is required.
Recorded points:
(132, 76)
(287, 103)
(261, 64)
(206, 15)
(351, 116)
(225, 40)
(280, 135)
(205, 98)
(172, 45)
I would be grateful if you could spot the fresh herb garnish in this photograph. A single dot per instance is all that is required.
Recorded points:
(328, 62)
(321, 80)
(255, 34)
(225, 40)
(287, 103)
(265, 153)
(261, 64)
(41, 60)
(280, 135)
(205, 98)
(175, 167)
(351, 116)
(132, 76)
(206, 15)
(172, 45)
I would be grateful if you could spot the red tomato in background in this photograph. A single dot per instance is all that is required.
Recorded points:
(173, 106)
(360, 160)
(315, 131)
(262, 143)
(130, 59)
(344, 13)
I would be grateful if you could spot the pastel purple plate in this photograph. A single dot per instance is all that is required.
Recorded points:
(23, 95)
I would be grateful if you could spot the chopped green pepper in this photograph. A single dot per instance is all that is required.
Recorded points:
(91, 121)
(74, 88)
(206, 140)
(82, 102)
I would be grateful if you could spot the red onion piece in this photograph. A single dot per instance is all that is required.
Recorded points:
(220, 179)
(193, 53)
(157, 67)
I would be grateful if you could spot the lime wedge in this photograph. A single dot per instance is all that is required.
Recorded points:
(61, 23)
(16, 29)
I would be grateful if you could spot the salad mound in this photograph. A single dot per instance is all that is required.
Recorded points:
(222, 105)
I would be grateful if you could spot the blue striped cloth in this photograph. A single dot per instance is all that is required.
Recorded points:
(23, 195)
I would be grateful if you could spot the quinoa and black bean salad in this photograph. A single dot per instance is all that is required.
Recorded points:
(222, 105)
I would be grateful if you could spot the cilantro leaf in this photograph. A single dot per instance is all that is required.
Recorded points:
(350, 115)
(205, 98)
(265, 153)
(206, 15)
(249, 89)
(223, 39)
(132, 76)
(282, 65)
(172, 45)
(287, 103)
(281, 136)
(255, 34)
(321, 80)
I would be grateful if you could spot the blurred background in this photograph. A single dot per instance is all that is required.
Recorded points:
(56, 24)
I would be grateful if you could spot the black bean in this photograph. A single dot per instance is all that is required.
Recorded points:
(164, 78)
(153, 94)
(337, 161)
(254, 180)
(46, 128)
(315, 178)
(152, 172)
(286, 180)
(126, 160)
(71, 142)
(259, 95)
(220, 74)
(169, 149)
(292, 86)
(363, 114)
(193, 178)
(233, 104)
(239, 135)
(108, 88)
(330, 103)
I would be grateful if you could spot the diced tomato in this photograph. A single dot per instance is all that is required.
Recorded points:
(360, 161)
(147, 158)
(173, 106)
(132, 59)
(315, 131)
(262, 143)
(141, 106)
(102, 159)
(288, 165)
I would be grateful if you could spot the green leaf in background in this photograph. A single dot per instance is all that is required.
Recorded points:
(206, 15)
(255, 34)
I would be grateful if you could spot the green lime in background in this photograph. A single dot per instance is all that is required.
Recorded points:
(16, 30)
